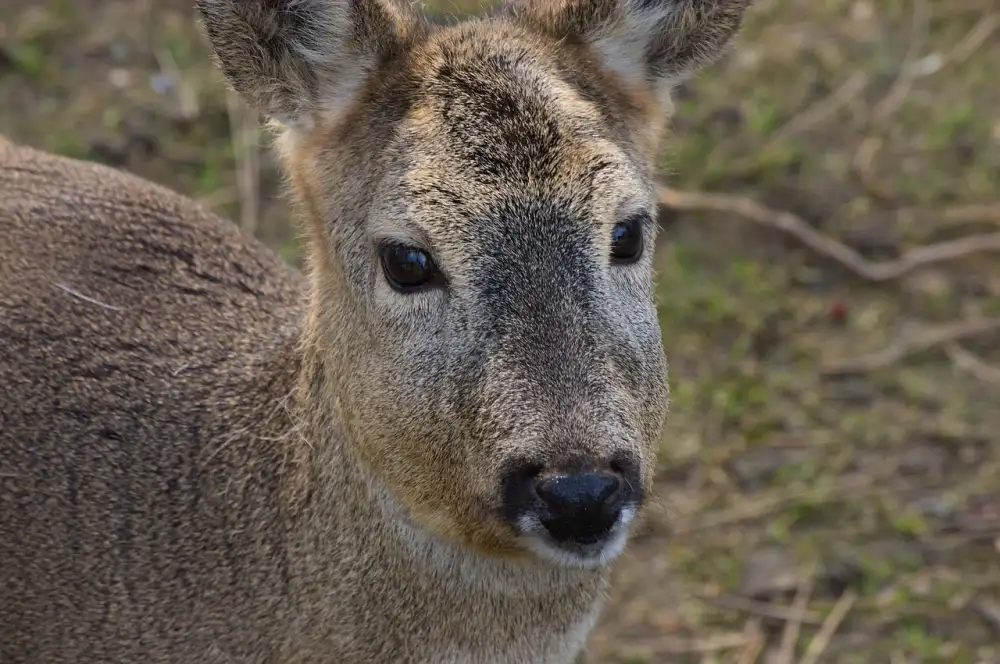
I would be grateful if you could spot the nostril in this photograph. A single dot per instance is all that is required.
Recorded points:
(519, 490)
(628, 468)
(624, 465)
(612, 491)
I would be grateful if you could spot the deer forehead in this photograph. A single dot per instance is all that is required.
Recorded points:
(495, 131)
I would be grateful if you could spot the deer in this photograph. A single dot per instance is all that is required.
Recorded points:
(433, 442)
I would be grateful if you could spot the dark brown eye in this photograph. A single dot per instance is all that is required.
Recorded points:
(626, 240)
(406, 268)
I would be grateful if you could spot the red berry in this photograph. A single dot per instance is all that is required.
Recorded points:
(838, 310)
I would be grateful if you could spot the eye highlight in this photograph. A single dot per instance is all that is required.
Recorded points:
(627, 241)
(408, 269)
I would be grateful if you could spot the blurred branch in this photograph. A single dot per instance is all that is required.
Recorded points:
(840, 488)
(867, 150)
(989, 610)
(798, 228)
(756, 640)
(800, 606)
(821, 641)
(974, 39)
(757, 608)
(864, 156)
(962, 214)
(187, 97)
(969, 363)
(246, 151)
(707, 644)
(863, 163)
(931, 338)
(823, 109)
(908, 72)
(957, 8)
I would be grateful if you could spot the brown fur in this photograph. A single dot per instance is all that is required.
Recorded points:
(205, 457)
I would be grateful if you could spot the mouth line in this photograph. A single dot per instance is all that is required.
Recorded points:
(589, 555)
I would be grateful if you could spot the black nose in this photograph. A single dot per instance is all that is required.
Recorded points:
(582, 507)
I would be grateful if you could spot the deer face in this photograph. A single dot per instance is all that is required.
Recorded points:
(481, 217)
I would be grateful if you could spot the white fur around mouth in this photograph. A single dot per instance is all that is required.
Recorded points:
(537, 540)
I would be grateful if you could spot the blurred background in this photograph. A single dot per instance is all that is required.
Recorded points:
(829, 290)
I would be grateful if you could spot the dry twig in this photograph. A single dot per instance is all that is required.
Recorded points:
(244, 130)
(972, 212)
(863, 163)
(926, 340)
(821, 641)
(845, 487)
(755, 642)
(759, 609)
(974, 39)
(187, 97)
(864, 156)
(818, 112)
(989, 610)
(969, 363)
(822, 109)
(790, 635)
(707, 644)
(908, 73)
(957, 8)
(823, 244)
(954, 216)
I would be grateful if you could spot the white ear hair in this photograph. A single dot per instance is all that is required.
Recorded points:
(623, 44)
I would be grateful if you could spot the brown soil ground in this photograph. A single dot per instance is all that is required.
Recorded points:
(803, 511)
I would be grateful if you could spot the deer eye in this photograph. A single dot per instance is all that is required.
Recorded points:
(406, 268)
(627, 239)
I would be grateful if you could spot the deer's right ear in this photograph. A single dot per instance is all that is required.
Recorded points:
(294, 59)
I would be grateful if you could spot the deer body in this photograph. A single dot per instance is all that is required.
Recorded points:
(428, 448)
(182, 520)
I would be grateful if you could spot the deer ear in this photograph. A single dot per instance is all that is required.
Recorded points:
(292, 59)
(658, 42)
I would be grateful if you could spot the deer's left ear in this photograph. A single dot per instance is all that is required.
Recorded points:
(655, 41)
